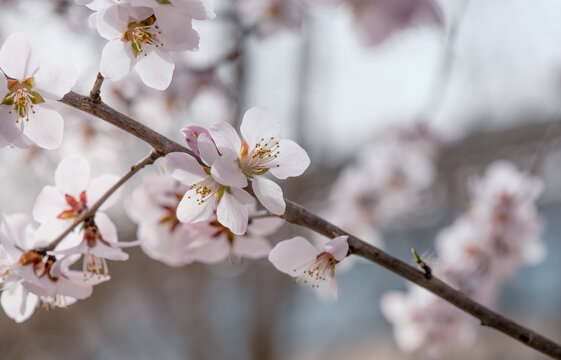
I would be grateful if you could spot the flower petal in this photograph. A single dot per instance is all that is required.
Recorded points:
(112, 22)
(189, 211)
(251, 247)
(192, 133)
(197, 9)
(292, 160)
(185, 168)
(49, 204)
(106, 228)
(232, 213)
(45, 127)
(226, 139)
(269, 194)
(72, 175)
(99, 186)
(338, 247)
(227, 172)
(264, 226)
(334, 287)
(210, 250)
(108, 252)
(243, 196)
(54, 81)
(18, 303)
(177, 31)
(259, 123)
(207, 149)
(16, 58)
(290, 255)
(9, 129)
(155, 69)
(116, 60)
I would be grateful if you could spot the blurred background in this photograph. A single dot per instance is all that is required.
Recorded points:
(476, 81)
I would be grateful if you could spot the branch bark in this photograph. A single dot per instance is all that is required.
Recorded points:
(296, 214)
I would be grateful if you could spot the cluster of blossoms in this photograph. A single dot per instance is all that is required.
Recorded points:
(144, 34)
(215, 181)
(32, 269)
(199, 210)
(375, 21)
(385, 184)
(153, 206)
(481, 251)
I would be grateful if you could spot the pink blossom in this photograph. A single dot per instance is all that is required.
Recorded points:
(300, 259)
(270, 16)
(261, 151)
(29, 276)
(378, 20)
(25, 86)
(58, 206)
(206, 192)
(427, 324)
(143, 33)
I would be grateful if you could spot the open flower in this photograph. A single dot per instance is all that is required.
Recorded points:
(261, 151)
(29, 276)
(298, 258)
(142, 33)
(58, 206)
(206, 191)
(73, 192)
(25, 117)
(153, 206)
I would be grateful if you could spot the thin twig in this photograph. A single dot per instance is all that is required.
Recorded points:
(298, 215)
(92, 210)
(96, 89)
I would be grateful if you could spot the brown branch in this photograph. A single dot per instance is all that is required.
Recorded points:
(92, 210)
(96, 89)
(298, 215)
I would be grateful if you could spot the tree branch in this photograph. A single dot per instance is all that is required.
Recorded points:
(298, 215)
(92, 210)
(96, 89)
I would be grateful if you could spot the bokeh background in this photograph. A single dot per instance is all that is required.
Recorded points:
(488, 80)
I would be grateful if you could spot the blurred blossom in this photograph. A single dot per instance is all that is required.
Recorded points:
(270, 16)
(424, 321)
(163, 237)
(384, 183)
(376, 20)
(300, 259)
(482, 250)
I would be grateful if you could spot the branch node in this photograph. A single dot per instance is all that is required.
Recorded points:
(422, 264)
(96, 89)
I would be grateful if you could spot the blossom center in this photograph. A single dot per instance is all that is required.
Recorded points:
(201, 191)
(171, 213)
(143, 34)
(318, 270)
(76, 206)
(261, 157)
(22, 98)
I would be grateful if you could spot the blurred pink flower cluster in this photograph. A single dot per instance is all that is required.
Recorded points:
(481, 251)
